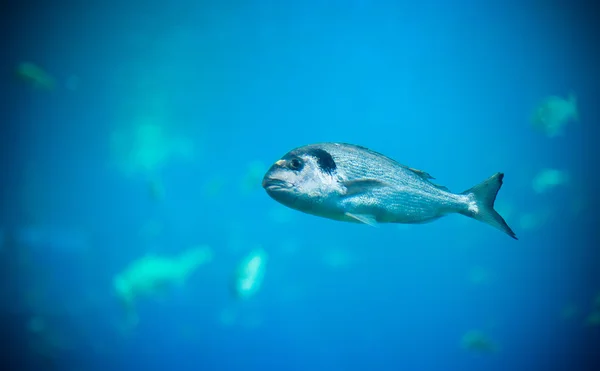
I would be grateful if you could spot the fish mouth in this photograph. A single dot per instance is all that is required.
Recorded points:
(273, 184)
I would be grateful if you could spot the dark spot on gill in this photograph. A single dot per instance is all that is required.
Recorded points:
(324, 159)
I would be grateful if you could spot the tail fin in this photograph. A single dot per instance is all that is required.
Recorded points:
(482, 204)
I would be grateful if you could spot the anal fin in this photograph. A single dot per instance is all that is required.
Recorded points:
(364, 218)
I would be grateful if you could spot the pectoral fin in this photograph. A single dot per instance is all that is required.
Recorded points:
(364, 218)
(362, 185)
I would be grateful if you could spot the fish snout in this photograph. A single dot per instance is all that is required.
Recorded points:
(269, 182)
(269, 177)
(272, 183)
(265, 182)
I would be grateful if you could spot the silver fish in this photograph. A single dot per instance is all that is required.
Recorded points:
(351, 183)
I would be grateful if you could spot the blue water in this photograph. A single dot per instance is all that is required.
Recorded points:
(447, 87)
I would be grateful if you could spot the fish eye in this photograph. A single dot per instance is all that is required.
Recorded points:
(296, 164)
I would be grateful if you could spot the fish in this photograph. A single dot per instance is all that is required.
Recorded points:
(154, 274)
(250, 274)
(35, 75)
(351, 183)
(554, 113)
(477, 341)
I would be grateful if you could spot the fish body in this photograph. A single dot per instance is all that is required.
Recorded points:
(351, 183)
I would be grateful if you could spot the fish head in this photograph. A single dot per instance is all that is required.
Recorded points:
(302, 179)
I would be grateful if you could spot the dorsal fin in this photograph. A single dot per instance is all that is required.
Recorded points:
(421, 173)
(426, 176)
(440, 187)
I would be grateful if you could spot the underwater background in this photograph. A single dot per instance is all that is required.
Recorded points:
(140, 131)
